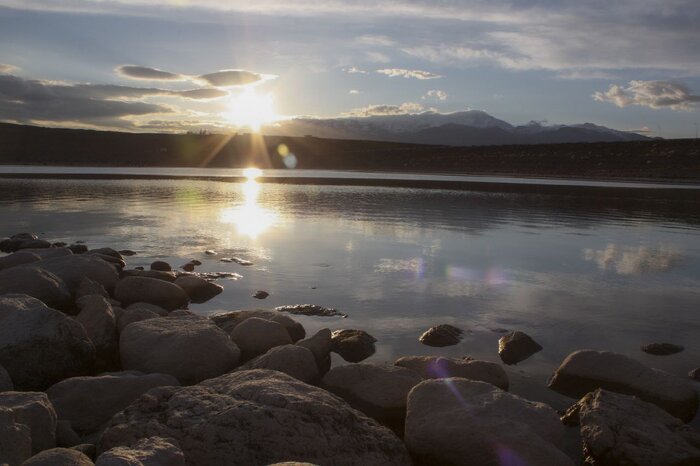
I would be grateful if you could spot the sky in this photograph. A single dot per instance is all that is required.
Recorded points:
(176, 65)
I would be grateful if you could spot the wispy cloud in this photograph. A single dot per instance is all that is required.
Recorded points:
(221, 78)
(652, 94)
(406, 108)
(147, 73)
(5, 68)
(231, 78)
(435, 94)
(404, 73)
(354, 70)
(377, 57)
(377, 40)
(354, 92)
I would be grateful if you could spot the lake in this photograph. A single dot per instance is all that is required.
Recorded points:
(611, 269)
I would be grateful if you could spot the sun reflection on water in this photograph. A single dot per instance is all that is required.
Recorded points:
(249, 218)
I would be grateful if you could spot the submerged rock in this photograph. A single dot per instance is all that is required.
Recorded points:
(516, 347)
(260, 294)
(353, 345)
(662, 349)
(310, 310)
(161, 266)
(435, 367)
(441, 335)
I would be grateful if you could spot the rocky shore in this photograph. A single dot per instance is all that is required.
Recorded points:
(101, 364)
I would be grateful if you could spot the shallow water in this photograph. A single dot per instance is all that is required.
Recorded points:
(574, 270)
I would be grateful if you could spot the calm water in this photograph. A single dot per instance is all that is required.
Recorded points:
(574, 270)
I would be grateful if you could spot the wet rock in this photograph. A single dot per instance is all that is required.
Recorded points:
(73, 269)
(255, 336)
(189, 267)
(198, 289)
(379, 391)
(240, 261)
(40, 346)
(458, 421)
(18, 258)
(256, 417)
(65, 435)
(662, 349)
(435, 367)
(261, 294)
(586, 370)
(89, 287)
(620, 429)
(59, 457)
(163, 345)
(106, 252)
(34, 410)
(100, 323)
(218, 275)
(195, 262)
(161, 266)
(229, 320)
(37, 283)
(353, 345)
(516, 347)
(181, 312)
(15, 439)
(5, 381)
(157, 274)
(127, 253)
(49, 253)
(310, 310)
(320, 346)
(78, 248)
(441, 335)
(695, 374)
(169, 296)
(210, 252)
(129, 316)
(34, 244)
(293, 360)
(148, 451)
(148, 307)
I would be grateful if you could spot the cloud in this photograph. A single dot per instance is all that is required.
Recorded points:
(230, 78)
(404, 73)
(354, 92)
(375, 41)
(407, 108)
(6, 69)
(354, 70)
(435, 94)
(377, 57)
(147, 73)
(652, 94)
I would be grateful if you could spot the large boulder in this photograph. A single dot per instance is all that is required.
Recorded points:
(516, 347)
(585, 370)
(38, 283)
(59, 457)
(150, 307)
(100, 323)
(320, 345)
(89, 402)
(15, 439)
(152, 451)
(256, 336)
(436, 367)
(353, 345)
(129, 316)
(131, 290)
(256, 417)
(198, 289)
(34, 410)
(230, 320)
(5, 381)
(89, 287)
(73, 269)
(441, 335)
(40, 346)
(379, 391)
(621, 429)
(49, 253)
(18, 258)
(189, 348)
(462, 422)
(157, 274)
(293, 360)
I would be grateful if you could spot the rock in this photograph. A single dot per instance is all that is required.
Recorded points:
(293, 360)
(311, 310)
(198, 289)
(260, 294)
(15, 439)
(37, 283)
(195, 262)
(78, 248)
(161, 266)
(256, 336)
(695, 374)
(107, 252)
(462, 422)
(34, 410)
(379, 391)
(353, 345)
(621, 429)
(34, 244)
(5, 381)
(181, 312)
(127, 253)
(154, 451)
(662, 349)
(88, 287)
(100, 323)
(49, 253)
(18, 258)
(229, 320)
(257, 417)
(189, 348)
(320, 346)
(129, 316)
(586, 370)
(72, 269)
(131, 290)
(210, 252)
(148, 307)
(189, 267)
(40, 346)
(516, 346)
(157, 274)
(87, 449)
(435, 367)
(65, 435)
(24, 236)
(59, 457)
(89, 402)
(441, 335)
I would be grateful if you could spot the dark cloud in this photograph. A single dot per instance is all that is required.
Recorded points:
(229, 78)
(147, 73)
(653, 94)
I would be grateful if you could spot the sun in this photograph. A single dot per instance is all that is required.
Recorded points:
(250, 109)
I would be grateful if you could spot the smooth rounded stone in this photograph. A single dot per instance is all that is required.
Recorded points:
(229, 320)
(157, 274)
(153, 451)
(89, 402)
(49, 253)
(436, 367)
(131, 290)
(189, 267)
(256, 336)
(87, 449)
(5, 381)
(15, 439)
(182, 312)
(662, 349)
(210, 252)
(441, 335)
(257, 417)
(106, 252)
(78, 248)
(100, 323)
(261, 294)
(293, 360)
(463, 422)
(126, 252)
(38, 283)
(353, 345)
(129, 316)
(34, 410)
(59, 457)
(695, 374)
(161, 266)
(189, 348)
(516, 347)
(65, 435)
(320, 346)
(292, 463)
(620, 429)
(149, 307)
(198, 289)
(40, 346)
(89, 287)
(72, 269)
(34, 244)
(18, 258)
(379, 391)
(586, 370)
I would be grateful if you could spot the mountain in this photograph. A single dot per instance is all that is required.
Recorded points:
(467, 128)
